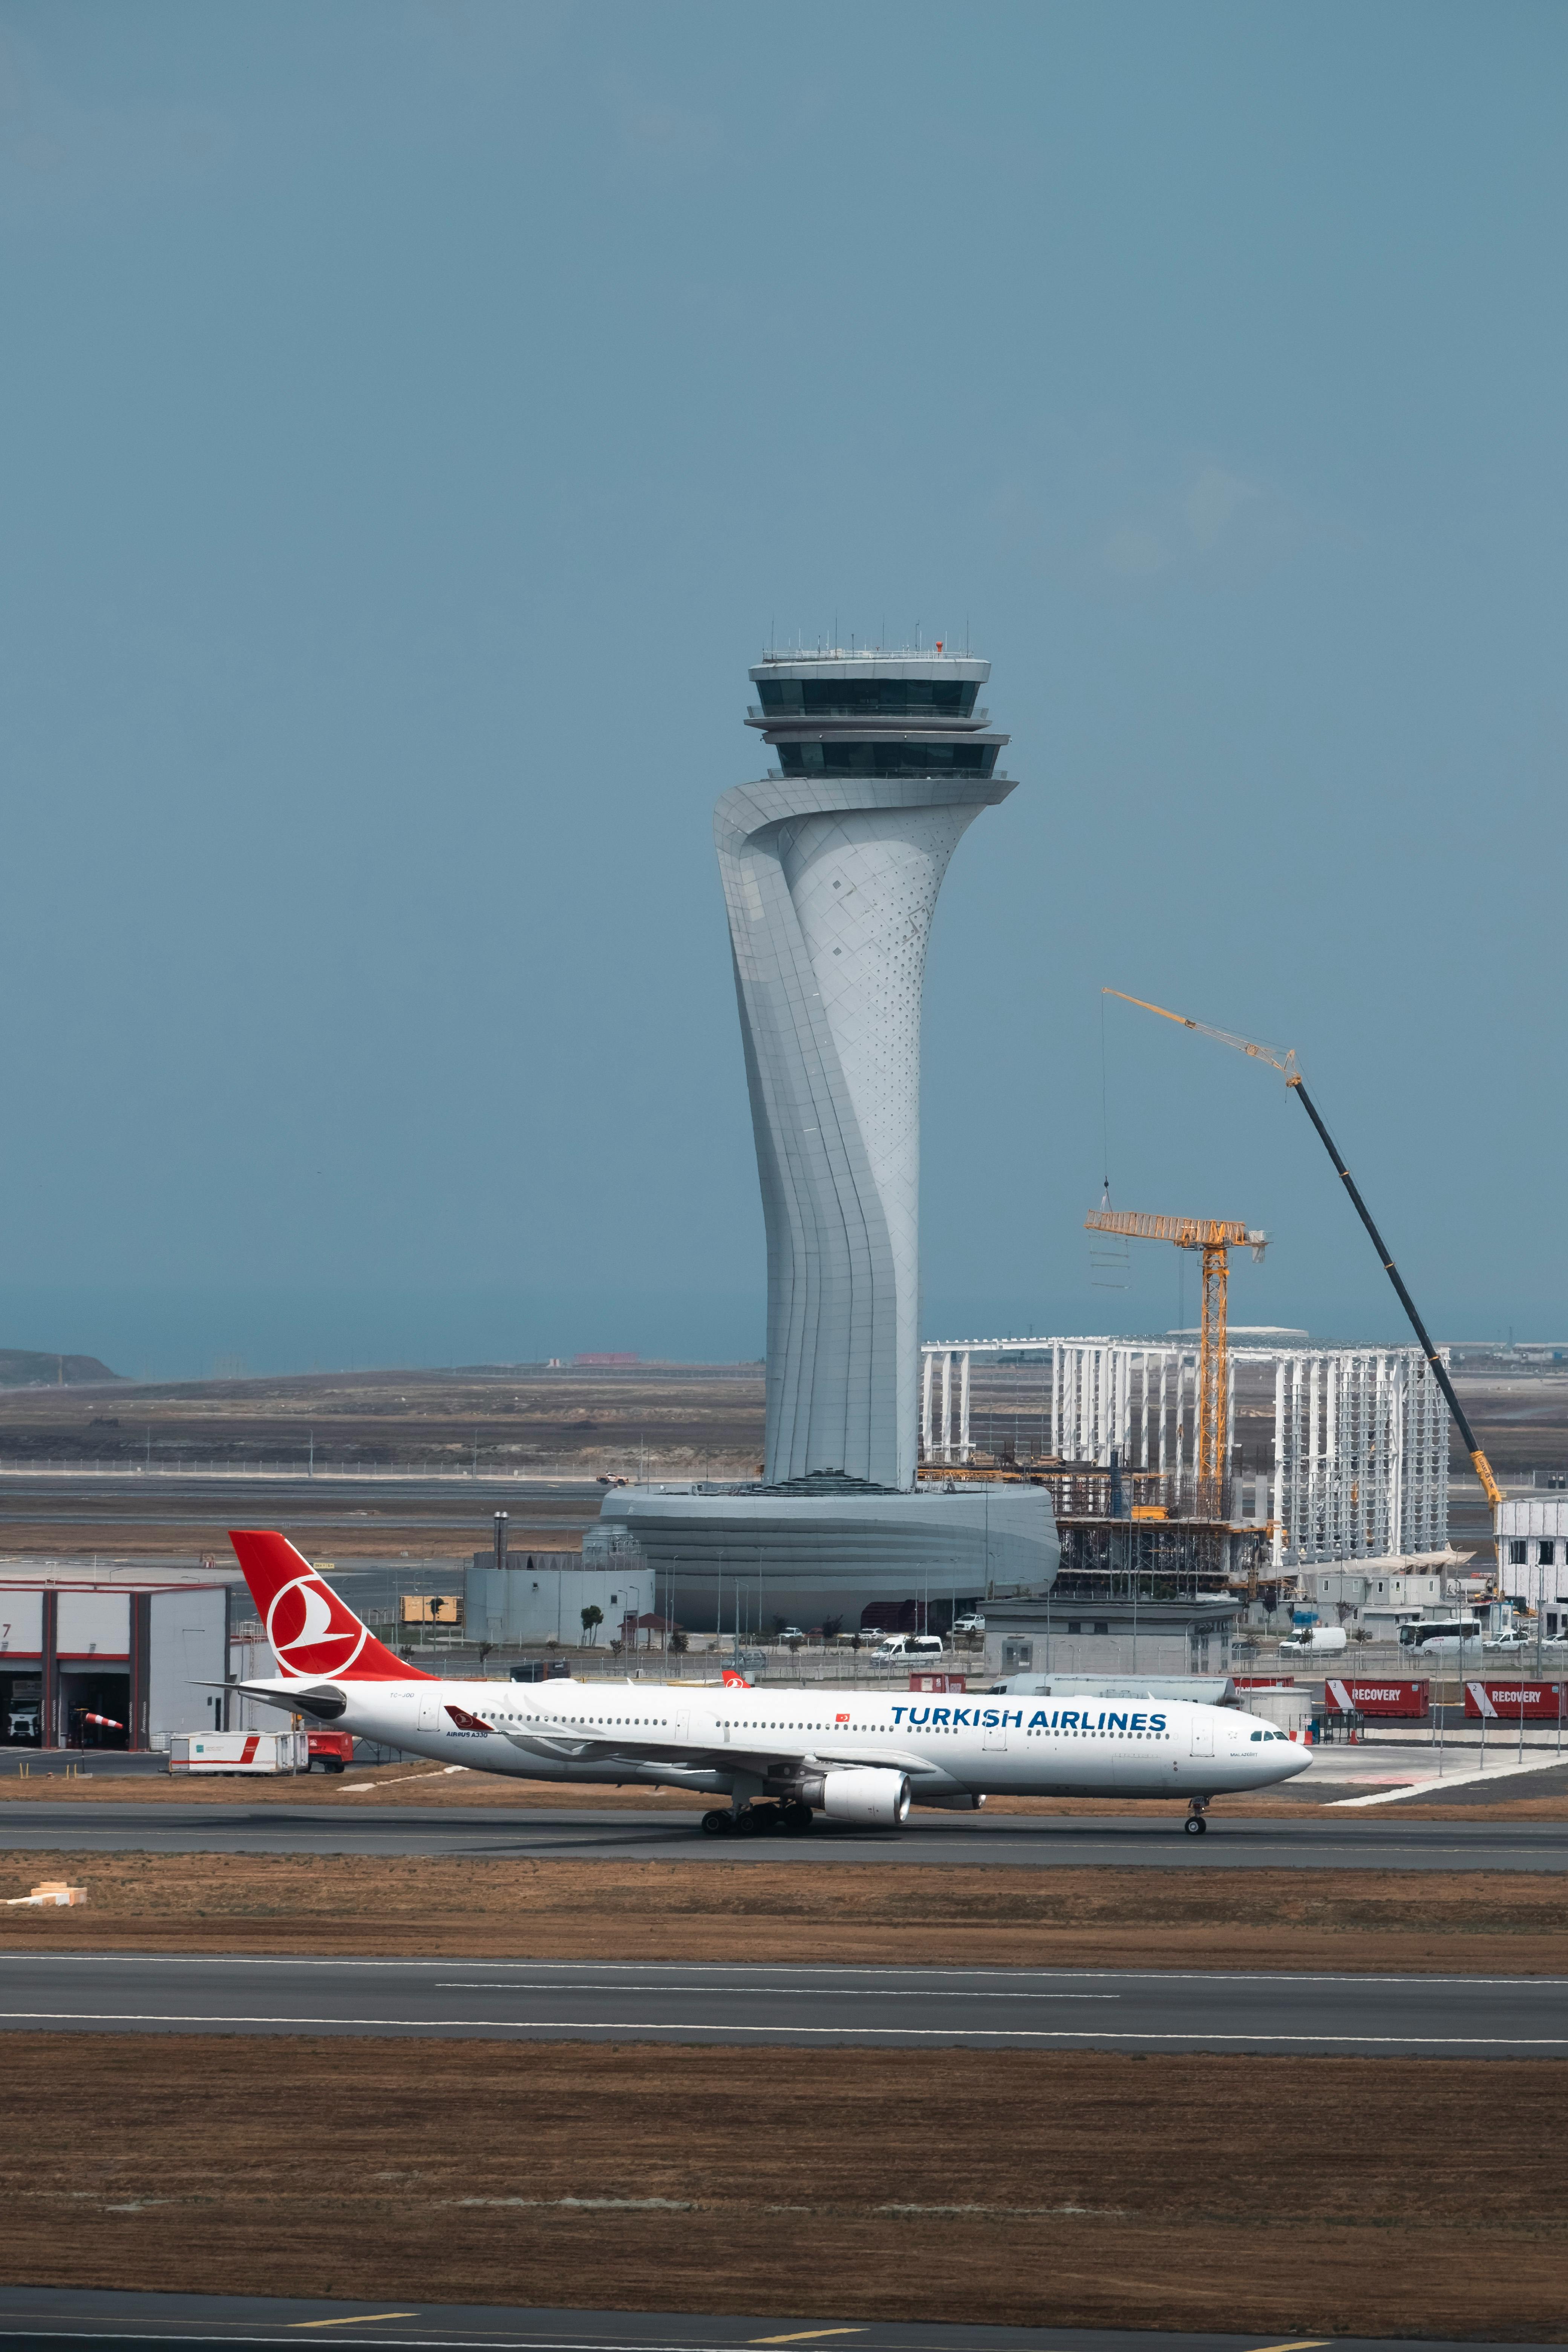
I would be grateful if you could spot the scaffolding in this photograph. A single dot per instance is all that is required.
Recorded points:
(1359, 1461)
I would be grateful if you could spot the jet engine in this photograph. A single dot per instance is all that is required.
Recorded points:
(875, 1798)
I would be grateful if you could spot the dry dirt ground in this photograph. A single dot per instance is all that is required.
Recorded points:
(879, 1914)
(670, 1420)
(681, 1419)
(1284, 2197)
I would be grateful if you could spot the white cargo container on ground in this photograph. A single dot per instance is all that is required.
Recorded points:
(239, 1751)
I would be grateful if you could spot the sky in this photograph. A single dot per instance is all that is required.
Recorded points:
(420, 412)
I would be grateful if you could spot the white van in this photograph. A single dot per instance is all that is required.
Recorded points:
(1312, 1641)
(909, 1645)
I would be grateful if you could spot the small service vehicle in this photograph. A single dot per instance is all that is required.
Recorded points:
(23, 1723)
(791, 1634)
(1312, 1641)
(332, 1750)
(970, 1623)
(909, 1645)
(1514, 1639)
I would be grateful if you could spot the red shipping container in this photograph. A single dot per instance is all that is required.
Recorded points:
(1537, 1702)
(1343, 1695)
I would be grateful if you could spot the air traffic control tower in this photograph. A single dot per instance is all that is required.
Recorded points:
(831, 869)
(831, 865)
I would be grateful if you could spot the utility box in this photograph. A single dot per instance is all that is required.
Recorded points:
(431, 1608)
(239, 1751)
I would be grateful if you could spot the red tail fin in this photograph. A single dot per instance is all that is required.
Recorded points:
(312, 1632)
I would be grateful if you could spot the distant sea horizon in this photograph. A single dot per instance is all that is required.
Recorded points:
(205, 1334)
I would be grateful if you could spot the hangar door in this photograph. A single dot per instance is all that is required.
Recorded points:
(92, 1652)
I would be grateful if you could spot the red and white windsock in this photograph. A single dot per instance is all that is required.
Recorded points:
(313, 1633)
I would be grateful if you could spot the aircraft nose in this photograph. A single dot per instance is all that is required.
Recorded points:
(1296, 1760)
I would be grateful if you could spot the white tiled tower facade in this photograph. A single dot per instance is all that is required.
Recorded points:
(831, 869)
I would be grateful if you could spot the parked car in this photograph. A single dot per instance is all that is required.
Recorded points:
(970, 1623)
(1516, 1638)
(791, 1634)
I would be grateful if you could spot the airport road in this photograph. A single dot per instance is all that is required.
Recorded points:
(773, 2006)
(105, 2317)
(1368, 1842)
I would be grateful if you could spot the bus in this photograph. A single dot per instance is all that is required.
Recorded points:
(1440, 1634)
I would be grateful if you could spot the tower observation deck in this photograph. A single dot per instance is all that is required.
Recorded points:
(831, 867)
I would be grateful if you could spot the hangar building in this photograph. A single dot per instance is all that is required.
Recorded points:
(140, 1655)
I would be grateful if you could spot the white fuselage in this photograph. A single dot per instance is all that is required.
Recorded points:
(740, 1742)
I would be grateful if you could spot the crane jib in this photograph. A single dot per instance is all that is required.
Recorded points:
(1286, 1062)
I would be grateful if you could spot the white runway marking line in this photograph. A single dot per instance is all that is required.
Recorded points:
(857, 2033)
(791, 1992)
(717, 1967)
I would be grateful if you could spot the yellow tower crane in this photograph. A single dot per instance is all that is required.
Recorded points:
(1216, 1237)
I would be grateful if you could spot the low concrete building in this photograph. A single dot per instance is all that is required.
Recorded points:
(1113, 1635)
(539, 1596)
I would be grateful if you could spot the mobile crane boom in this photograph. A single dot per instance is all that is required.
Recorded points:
(1286, 1064)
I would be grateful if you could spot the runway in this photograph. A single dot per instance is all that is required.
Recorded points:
(1001, 1841)
(104, 2316)
(806, 2007)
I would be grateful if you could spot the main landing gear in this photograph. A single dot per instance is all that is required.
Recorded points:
(1195, 1824)
(790, 1819)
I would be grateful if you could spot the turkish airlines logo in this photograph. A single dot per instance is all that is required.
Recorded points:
(310, 1631)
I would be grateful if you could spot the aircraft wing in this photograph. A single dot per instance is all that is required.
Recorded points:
(716, 1757)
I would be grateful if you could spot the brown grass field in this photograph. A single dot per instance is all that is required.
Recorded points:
(881, 1914)
(1287, 2198)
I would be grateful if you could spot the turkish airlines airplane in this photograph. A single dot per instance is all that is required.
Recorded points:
(780, 1757)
